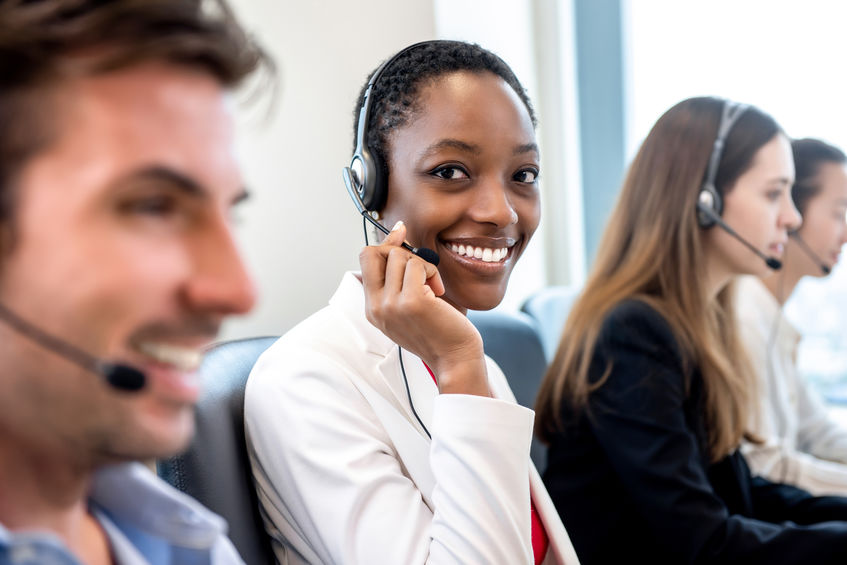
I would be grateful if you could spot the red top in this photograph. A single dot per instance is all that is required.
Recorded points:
(540, 541)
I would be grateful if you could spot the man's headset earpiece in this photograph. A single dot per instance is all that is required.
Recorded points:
(709, 200)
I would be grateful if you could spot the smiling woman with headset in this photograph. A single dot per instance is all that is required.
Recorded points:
(801, 444)
(378, 430)
(646, 400)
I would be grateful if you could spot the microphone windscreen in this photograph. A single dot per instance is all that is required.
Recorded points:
(123, 377)
(428, 255)
(773, 263)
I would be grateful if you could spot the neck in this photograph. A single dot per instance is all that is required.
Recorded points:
(717, 277)
(461, 309)
(783, 282)
(41, 490)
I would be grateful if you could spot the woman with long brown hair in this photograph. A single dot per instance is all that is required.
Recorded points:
(647, 398)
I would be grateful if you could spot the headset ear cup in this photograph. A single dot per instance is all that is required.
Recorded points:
(708, 198)
(372, 189)
(379, 186)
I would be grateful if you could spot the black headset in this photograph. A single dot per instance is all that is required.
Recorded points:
(709, 196)
(366, 166)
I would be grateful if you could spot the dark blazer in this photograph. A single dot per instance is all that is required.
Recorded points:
(632, 480)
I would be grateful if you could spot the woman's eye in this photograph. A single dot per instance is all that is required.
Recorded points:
(450, 173)
(526, 175)
(774, 195)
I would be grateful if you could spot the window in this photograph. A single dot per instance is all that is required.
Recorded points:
(784, 57)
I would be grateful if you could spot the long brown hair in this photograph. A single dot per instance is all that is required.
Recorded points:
(652, 250)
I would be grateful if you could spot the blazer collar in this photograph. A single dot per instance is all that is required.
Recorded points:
(350, 299)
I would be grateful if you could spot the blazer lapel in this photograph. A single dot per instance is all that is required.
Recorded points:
(391, 404)
(561, 549)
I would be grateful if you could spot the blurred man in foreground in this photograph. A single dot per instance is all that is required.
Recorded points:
(117, 265)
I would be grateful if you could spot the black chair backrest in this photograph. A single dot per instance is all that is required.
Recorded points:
(215, 469)
(512, 340)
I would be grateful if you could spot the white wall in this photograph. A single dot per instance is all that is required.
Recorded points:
(299, 231)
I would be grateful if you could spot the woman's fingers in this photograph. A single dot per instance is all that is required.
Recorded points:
(379, 272)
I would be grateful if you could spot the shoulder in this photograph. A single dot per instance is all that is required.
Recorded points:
(321, 357)
(636, 335)
(135, 506)
(634, 318)
(323, 335)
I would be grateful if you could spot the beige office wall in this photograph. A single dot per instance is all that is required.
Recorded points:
(299, 231)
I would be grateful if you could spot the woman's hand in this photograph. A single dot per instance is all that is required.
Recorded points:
(401, 299)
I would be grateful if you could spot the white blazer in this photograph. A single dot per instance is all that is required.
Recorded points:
(345, 473)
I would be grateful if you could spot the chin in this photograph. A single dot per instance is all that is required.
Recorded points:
(165, 437)
(483, 299)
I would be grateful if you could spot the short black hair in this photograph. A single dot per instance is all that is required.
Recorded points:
(809, 155)
(394, 96)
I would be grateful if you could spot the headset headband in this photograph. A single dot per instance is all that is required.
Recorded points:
(366, 168)
(731, 112)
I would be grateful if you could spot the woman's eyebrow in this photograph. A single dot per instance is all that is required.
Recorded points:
(526, 148)
(451, 144)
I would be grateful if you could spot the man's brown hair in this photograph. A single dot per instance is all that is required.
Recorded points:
(43, 42)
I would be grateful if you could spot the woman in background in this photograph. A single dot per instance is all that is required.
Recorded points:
(801, 444)
(378, 430)
(646, 401)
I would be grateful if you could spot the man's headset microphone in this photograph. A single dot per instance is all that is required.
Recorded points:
(121, 377)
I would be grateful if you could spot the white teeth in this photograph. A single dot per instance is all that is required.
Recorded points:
(485, 254)
(183, 358)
